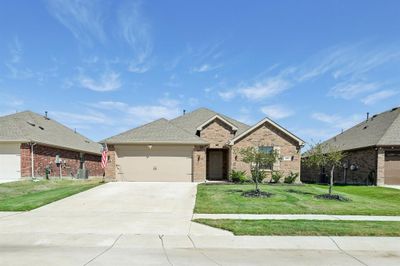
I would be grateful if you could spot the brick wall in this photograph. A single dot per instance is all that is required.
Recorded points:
(45, 156)
(217, 133)
(199, 164)
(364, 159)
(111, 166)
(268, 135)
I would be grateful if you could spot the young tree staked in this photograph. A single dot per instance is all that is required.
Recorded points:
(256, 159)
(322, 156)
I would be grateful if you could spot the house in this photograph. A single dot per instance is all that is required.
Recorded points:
(196, 146)
(30, 143)
(372, 150)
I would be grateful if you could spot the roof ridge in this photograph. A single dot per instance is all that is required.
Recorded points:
(138, 127)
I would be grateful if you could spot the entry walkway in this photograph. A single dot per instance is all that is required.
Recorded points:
(296, 217)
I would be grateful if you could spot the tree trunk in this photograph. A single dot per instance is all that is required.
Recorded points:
(257, 169)
(331, 180)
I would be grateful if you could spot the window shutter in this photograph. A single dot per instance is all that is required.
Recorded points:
(277, 164)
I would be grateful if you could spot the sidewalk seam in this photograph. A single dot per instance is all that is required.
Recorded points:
(345, 252)
(164, 250)
(201, 251)
(104, 251)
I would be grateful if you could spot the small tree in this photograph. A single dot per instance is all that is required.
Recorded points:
(324, 155)
(256, 158)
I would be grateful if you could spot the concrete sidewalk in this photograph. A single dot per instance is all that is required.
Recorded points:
(296, 217)
(128, 249)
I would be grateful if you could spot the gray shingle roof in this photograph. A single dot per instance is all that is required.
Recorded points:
(381, 129)
(28, 126)
(192, 120)
(159, 131)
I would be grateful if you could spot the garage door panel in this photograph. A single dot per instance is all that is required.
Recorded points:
(160, 163)
(392, 168)
(10, 161)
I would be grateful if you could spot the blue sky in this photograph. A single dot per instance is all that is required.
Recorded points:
(102, 67)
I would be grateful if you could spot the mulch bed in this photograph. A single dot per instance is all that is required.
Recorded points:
(256, 194)
(332, 197)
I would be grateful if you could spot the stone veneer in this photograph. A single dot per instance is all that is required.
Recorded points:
(45, 156)
(199, 164)
(371, 168)
(111, 165)
(268, 135)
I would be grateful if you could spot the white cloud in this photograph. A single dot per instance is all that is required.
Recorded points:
(108, 81)
(378, 96)
(349, 90)
(91, 117)
(227, 95)
(148, 113)
(169, 102)
(277, 111)
(205, 68)
(135, 31)
(264, 89)
(337, 121)
(84, 19)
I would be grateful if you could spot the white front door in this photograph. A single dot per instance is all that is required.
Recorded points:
(10, 161)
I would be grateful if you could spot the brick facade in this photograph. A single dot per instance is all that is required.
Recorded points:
(199, 164)
(217, 133)
(268, 135)
(45, 156)
(369, 164)
(111, 165)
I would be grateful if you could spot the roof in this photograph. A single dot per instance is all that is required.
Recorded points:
(379, 130)
(267, 120)
(28, 126)
(192, 120)
(159, 131)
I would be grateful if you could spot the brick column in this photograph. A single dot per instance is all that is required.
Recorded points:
(199, 164)
(111, 166)
(380, 167)
(26, 167)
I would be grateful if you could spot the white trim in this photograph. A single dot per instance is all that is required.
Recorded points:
(234, 128)
(301, 142)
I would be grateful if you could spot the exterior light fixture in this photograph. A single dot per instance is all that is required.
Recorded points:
(150, 146)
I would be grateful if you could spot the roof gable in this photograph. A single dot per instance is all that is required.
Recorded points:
(380, 129)
(262, 122)
(233, 127)
(197, 118)
(28, 126)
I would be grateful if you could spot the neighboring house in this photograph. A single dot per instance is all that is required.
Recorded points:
(373, 153)
(196, 146)
(30, 142)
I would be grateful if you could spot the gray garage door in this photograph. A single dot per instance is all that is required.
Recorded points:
(159, 164)
(392, 168)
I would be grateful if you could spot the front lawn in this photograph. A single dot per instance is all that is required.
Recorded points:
(297, 199)
(305, 227)
(28, 195)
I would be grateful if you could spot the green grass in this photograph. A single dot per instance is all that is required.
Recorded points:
(217, 198)
(28, 195)
(305, 227)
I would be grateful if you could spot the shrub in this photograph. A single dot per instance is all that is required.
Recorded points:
(258, 177)
(276, 176)
(238, 176)
(291, 178)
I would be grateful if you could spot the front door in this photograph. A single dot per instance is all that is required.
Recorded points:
(216, 160)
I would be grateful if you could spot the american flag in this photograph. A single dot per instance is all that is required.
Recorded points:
(104, 158)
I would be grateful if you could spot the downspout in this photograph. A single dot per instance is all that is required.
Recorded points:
(32, 162)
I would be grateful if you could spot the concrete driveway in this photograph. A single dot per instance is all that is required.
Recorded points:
(150, 224)
(116, 208)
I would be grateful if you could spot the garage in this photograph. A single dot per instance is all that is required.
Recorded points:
(392, 168)
(154, 163)
(10, 161)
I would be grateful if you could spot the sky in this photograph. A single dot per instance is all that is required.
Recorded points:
(104, 67)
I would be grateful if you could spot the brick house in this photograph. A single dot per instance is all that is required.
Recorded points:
(30, 142)
(197, 146)
(372, 150)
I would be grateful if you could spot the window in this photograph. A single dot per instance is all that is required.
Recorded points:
(266, 149)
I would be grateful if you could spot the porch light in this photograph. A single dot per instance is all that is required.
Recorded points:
(150, 146)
